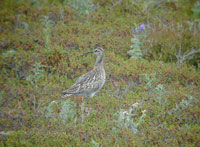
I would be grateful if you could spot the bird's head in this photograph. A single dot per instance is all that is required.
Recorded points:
(98, 51)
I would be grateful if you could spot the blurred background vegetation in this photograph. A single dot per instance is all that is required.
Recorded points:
(152, 62)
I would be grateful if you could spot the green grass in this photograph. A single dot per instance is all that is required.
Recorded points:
(40, 44)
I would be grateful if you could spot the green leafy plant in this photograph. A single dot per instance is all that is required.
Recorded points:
(85, 112)
(51, 110)
(9, 53)
(136, 48)
(181, 57)
(94, 143)
(160, 90)
(149, 79)
(184, 104)
(47, 31)
(82, 6)
(1, 96)
(66, 111)
(36, 75)
(126, 118)
(196, 10)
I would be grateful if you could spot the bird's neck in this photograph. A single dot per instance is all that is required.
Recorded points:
(99, 61)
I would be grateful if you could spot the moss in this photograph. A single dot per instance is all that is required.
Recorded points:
(25, 40)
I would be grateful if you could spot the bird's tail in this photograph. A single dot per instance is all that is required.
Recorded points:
(65, 95)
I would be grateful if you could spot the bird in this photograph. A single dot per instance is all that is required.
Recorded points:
(91, 82)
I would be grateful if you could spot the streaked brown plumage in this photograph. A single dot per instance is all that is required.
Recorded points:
(91, 82)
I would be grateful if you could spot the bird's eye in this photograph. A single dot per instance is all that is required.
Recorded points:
(96, 50)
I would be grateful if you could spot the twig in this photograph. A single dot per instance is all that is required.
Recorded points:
(115, 4)
(186, 56)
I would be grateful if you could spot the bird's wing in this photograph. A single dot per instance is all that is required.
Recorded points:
(85, 82)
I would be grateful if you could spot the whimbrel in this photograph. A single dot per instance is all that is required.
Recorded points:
(88, 84)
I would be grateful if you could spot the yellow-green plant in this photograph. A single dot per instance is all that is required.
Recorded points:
(36, 75)
(47, 31)
(125, 118)
(136, 48)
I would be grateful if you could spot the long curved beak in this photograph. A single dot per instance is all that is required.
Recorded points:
(87, 53)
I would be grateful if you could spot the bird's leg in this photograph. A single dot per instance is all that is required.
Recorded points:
(82, 112)
(87, 99)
